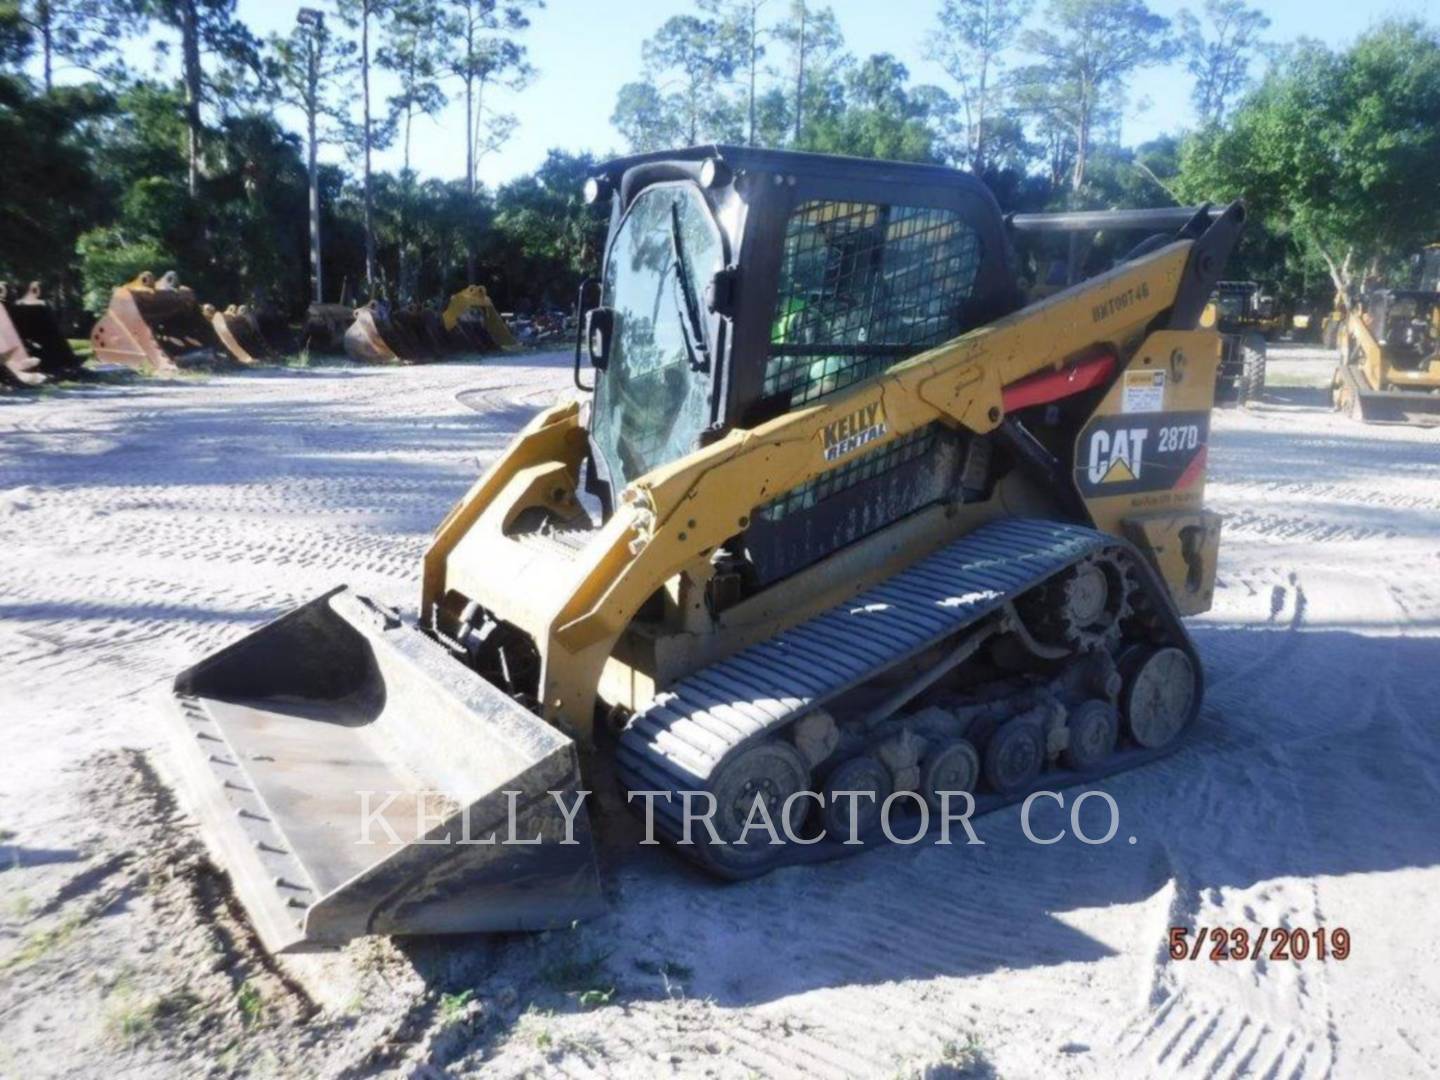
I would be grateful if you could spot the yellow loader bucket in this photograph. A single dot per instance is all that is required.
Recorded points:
(355, 779)
(155, 325)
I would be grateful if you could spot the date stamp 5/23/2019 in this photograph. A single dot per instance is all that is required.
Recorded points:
(1273, 943)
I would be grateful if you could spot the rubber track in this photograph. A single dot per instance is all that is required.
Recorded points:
(677, 741)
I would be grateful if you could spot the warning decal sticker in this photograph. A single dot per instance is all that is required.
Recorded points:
(1144, 391)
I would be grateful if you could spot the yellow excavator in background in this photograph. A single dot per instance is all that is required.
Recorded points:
(842, 512)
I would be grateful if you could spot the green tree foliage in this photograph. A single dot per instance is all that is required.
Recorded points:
(307, 68)
(414, 52)
(1084, 50)
(207, 28)
(16, 40)
(742, 36)
(81, 34)
(545, 238)
(882, 118)
(681, 100)
(371, 133)
(1218, 52)
(1336, 152)
(811, 82)
(241, 238)
(485, 53)
(972, 39)
(46, 149)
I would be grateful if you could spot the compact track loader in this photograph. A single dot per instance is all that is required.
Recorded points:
(155, 325)
(1389, 366)
(842, 513)
(1246, 319)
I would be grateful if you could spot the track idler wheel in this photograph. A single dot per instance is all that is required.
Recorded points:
(1094, 729)
(771, 771)
(1014, 756)
(864, 773)
(954, 765)
(1159, 696)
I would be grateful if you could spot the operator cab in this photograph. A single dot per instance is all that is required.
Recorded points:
(1406, 323)
(740, 284)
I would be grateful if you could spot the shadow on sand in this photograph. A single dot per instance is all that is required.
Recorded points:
(1312, 758)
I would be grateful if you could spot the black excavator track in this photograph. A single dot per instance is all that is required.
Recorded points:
(997, 572)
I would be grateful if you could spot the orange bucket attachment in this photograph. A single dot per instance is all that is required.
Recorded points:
(156, 326)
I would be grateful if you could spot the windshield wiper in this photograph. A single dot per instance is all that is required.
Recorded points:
(692, 329)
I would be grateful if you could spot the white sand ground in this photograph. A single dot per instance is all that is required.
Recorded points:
(143, 525)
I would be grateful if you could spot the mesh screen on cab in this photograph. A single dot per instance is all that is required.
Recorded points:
(862, 286)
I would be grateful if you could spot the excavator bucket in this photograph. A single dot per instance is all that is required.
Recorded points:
(414, 329)
(473, 313)
(357, 780)
(156, 326)
(325, 326)
(16, 364)
(443, 342)
(240, 332)
(382, 336)
(35, 322)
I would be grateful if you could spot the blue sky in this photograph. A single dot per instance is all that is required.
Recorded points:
(585, 49)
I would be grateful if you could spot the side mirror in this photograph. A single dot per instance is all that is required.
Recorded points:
(599, 334)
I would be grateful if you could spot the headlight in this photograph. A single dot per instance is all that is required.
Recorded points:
(714, 173)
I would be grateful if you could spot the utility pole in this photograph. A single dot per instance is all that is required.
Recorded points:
(315, 21)
(366, 8)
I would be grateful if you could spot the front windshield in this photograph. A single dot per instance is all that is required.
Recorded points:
(1232, 306)
(650, 406)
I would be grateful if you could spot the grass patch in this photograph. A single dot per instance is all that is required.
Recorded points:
(593, 999)
(131, 1016)
(250, 1002)
(577, 969)
(452, 1006)
(42, 942)
(963, 1054)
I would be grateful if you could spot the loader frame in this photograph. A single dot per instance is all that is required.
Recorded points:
(670, 521)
